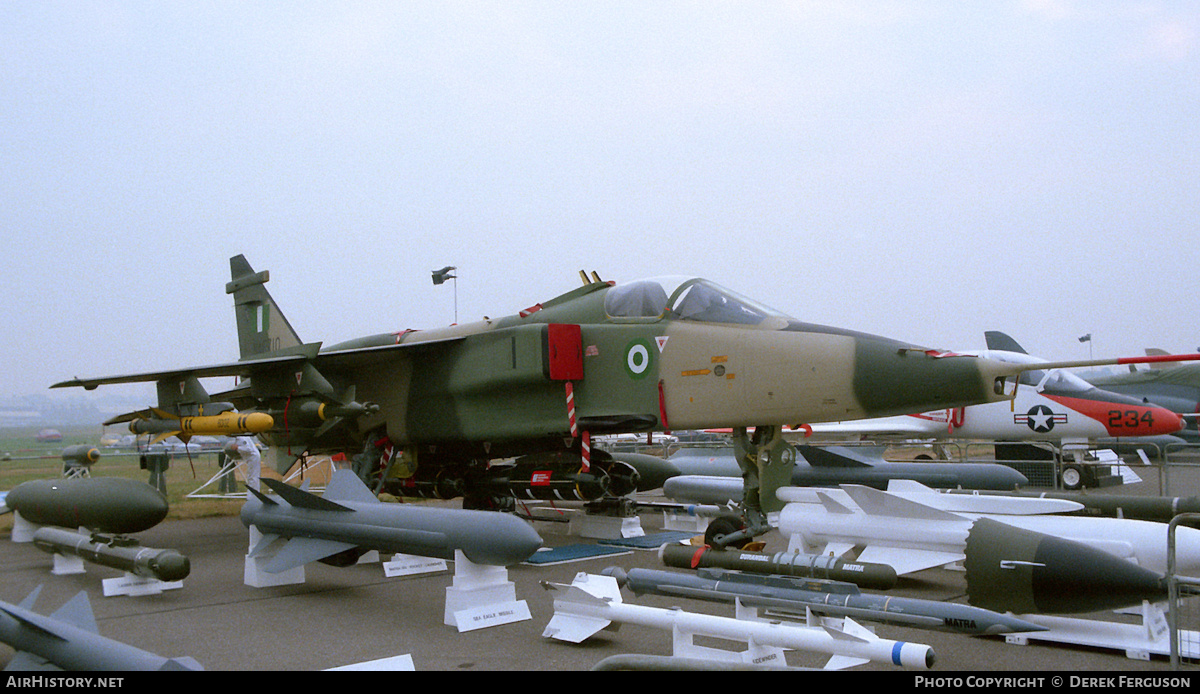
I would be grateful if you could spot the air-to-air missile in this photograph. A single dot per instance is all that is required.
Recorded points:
(105, 504)
(833, 598)
(880, 576)
(117, 552)
(163, 424)
(1062, 563)
(593, 602)
(68, 640)
(1148, 508)
(654, 355)
(348, 520)
(817, 466)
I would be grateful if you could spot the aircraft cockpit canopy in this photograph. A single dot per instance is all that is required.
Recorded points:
(685, 298)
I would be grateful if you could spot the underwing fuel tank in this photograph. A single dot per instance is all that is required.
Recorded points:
(105, 504)
(349, 519)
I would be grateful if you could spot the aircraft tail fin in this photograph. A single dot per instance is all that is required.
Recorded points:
(262, 327)
(1001, 342)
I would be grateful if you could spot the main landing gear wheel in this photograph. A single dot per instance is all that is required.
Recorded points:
(1072, 477)
(725, 525)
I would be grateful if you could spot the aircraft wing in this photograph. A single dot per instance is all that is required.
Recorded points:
(247, 367)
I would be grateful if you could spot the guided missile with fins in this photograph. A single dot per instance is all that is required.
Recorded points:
(593, 602)
(68, 640)
(879, 576)
(1065, 563)
(116, 552)
(349, 520)
(824, 597)
(165, 425)
(105, 504)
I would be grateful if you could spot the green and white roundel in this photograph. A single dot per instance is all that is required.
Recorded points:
(638, 358)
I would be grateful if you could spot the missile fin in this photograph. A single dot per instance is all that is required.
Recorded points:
(300, 551)
(832, 506)
(77, 612)
(263, 543)
(905, 560)
(344, 485)
(267, 501)
(302, 499)
(877, 503)
(27, 603)
(24, 661)
(841, 662)
(574, 628)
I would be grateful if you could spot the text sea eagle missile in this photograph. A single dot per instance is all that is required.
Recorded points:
(348, 521)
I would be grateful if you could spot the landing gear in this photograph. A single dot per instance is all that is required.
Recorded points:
(766, 460)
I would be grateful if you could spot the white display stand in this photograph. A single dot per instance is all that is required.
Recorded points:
(1139, 641)
(132, 585)
(256, 577)
(606, 527)
(22, 530)
(481, 596)
(396, 663)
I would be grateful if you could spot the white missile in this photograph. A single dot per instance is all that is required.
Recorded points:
(593, 602)
(910, 536)
(975, 503)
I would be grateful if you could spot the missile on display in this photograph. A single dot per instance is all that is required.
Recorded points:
(831, 598)
(593, 603)
(879, 576)
(68, 640)
(1149, 508)
(164, 424)
(1027, 572)
(817, 466)
(104, 504)
(349, 520)
(115, 552)
(1082, 563)
(82, 455)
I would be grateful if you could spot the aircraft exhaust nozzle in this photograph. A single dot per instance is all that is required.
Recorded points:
(1022, 571)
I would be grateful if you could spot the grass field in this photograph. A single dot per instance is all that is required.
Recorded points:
(22, 458)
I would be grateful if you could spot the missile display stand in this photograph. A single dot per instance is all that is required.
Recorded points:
(482, 596)
(1138, 641)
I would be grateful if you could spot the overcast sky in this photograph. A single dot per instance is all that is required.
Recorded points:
(921, 170)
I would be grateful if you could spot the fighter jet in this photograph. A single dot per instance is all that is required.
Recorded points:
(432, 409)
(1177, 389)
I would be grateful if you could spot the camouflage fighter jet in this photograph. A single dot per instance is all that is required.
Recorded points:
(441, 412)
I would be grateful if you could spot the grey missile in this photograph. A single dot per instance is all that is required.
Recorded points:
(1149, 508)
(82, 455)
(106, 504)
(68, 640)
(115, 551)
(863, 574)
(822, 597)
(349, 520)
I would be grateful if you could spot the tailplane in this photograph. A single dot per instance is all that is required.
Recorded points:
(262, 327)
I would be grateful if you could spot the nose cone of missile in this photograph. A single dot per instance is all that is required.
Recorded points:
(170, 565)
(506, 540)
(1010, 569)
